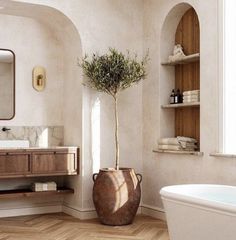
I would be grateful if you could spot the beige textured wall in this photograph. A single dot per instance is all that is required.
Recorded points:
(34, 44)
(30, 41)
(163, 169)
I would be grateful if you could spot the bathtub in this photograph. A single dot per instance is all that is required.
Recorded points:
(200, 211)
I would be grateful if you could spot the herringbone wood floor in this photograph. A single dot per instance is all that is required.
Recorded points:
(64, 227)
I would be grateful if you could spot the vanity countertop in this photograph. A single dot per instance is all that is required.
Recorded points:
(40, 149)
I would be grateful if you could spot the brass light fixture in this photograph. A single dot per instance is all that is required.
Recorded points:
(39, 78)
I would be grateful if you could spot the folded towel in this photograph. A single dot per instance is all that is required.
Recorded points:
(168, 141)
(175, 148)
(183, 141)
(186, 139)
(48, 186)
(186, 93)
(191, 101)
(191, 97)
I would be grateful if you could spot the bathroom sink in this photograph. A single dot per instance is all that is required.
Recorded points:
(14, 143)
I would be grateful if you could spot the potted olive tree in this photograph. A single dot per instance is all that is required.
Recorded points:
(116, 191)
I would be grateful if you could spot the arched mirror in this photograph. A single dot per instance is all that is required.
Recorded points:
(7, 84)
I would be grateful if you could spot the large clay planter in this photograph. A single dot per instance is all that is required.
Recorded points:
(116, 195)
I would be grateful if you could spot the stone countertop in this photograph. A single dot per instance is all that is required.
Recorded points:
(40, 149)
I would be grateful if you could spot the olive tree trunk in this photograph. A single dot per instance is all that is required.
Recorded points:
(117, 134)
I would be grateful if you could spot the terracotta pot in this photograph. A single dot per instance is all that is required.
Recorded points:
(116, 195)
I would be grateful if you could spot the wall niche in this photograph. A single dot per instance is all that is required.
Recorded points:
(181, 26)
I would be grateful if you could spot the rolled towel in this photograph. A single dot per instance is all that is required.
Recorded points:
(186, 139)
(186, 145)
(186, 93)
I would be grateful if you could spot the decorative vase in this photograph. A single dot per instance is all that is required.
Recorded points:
(116, 195)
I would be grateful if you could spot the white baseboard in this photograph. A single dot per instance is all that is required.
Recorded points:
(14, 212)
(154, 212)
(82, 214)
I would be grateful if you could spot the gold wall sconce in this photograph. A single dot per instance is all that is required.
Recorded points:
(39, 78)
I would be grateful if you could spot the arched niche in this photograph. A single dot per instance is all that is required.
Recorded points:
(65, 32)
(181, 26)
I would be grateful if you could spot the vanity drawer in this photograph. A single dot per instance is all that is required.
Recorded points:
(14, 164)
(54, 163)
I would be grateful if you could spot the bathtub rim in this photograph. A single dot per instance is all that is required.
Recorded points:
(196, 201)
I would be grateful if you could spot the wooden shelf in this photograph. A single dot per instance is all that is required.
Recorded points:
(185, 60)
(29, 193)
(181, 105)
(195, 153)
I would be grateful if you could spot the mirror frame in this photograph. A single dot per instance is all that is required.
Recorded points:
(14, 83)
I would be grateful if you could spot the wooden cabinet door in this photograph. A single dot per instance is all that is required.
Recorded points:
(14, 164)
(54, 163)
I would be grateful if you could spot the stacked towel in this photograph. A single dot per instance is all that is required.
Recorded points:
(178, 144)
(191, 96)
(47, 186)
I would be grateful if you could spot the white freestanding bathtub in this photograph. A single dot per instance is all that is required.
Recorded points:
(200, 211)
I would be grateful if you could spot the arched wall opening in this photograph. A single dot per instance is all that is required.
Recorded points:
(63, 104)
(171, 120)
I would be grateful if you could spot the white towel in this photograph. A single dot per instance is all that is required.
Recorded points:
(190, 101)
(186, 139)
(191, 97)
(186, 145)
(168, 141)
(175, 148)
(186, 93)
(183, 141)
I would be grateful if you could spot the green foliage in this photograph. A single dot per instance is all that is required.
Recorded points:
(113, 72)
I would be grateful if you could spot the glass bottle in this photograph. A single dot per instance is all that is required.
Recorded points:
(172, 97)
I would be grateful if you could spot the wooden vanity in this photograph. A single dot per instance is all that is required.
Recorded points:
(36, 162)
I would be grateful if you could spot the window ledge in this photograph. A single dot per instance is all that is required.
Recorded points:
(223, 155)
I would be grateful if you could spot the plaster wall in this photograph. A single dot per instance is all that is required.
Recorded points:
(34, 44)
(100, 24)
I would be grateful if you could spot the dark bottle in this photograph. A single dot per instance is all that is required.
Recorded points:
(178, 97)
(172, 97)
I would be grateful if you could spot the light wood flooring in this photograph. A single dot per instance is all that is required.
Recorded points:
(63, 227)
